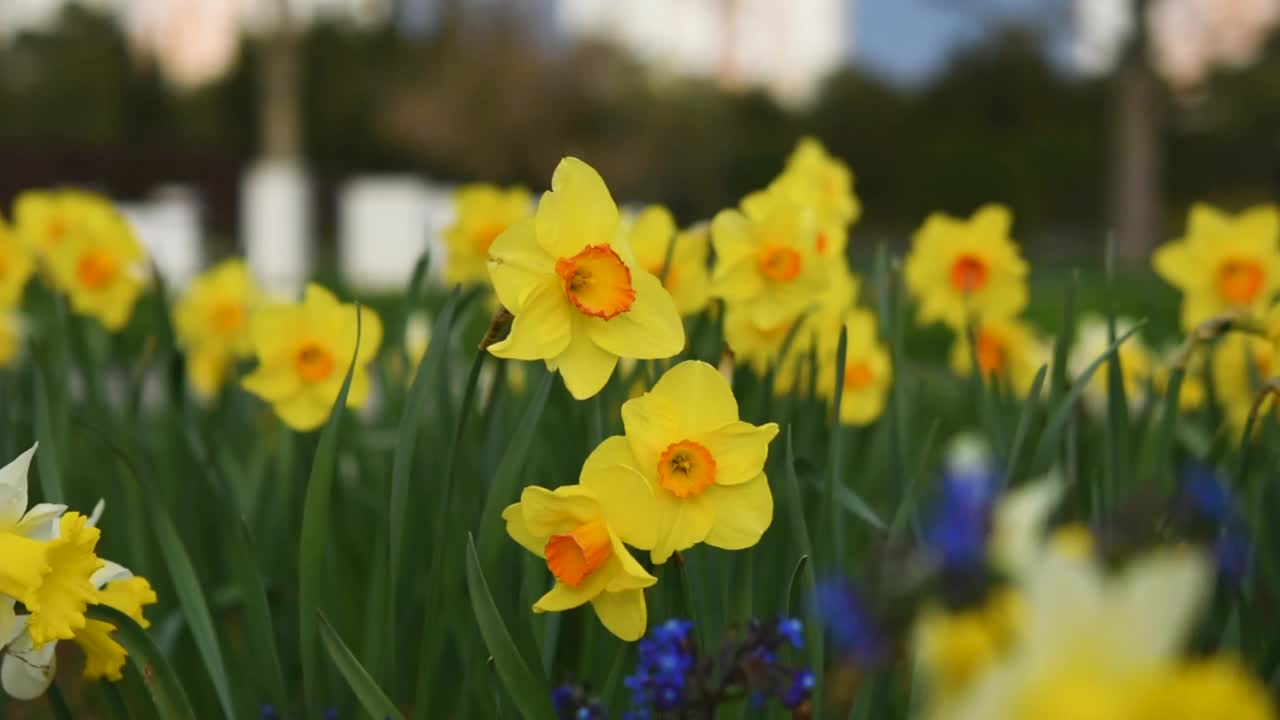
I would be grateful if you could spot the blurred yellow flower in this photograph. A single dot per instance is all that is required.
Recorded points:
(11, 334)
(1008, 349)
(687, 471)
(1239, 364)
(867, 373)
(579, 297)
(16, 265)
(568, 529)
(99, 263)
(1136, 363)
(767, 262)
(956, 647)
(482, 213)
(211, 321)
(303, 353)
(47, 220)
(960, 270)
(814, 179)
(1217, 687)
(756, 347)
(650, 235)
(1223, 263)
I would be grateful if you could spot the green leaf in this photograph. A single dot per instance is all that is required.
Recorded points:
(800, 532)
(177, 560)
(1058, 421)
(259, 629)
(832, 532)
(791, 585)
(506, 481)
(372, 699)
(1029, 407)
(527, 687)
(47, 459)
(167, 694)
(315, 533)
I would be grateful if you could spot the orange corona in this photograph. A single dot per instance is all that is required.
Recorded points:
(968, 274)
(572, 557)
(686, 468)
(597, 282)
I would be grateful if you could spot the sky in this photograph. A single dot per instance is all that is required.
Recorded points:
(908, 40)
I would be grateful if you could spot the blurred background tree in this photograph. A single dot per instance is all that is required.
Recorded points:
(486, 94)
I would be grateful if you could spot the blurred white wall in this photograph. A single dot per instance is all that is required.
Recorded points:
(168, 226)
(275, 225)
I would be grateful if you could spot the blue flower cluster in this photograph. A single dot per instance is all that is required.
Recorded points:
(850, 628)
(1214, 512)
(961, 521)
(573, 703)
(668, 658)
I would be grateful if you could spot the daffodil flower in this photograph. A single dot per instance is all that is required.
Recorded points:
(211, 321)
(303, 351)
(651, 234)
(99, 263)
(579, 298)
(767, 261)
(567, 528)
(481, 213)
(46, 220)
(1223, 263)
(867, 373)
(48, 560)
(962, 270)
(688, 470)
(17, 263)
(1008, 350)
(813, 179)
(28, 668)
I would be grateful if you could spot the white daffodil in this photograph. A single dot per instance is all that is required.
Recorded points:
(27, 670)
(37, 523)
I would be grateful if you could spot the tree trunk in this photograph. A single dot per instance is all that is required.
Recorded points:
(1136, 153)
(281, 116)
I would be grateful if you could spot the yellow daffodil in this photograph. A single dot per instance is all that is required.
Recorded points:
(867, 371)
(1240, 364)
(1136, 363)
(1008, 350)
(567, 528)
(16, 265)
(962, 269)
(956, 647)
(303, 352)
(1085, 642)
(48, 560)
(28, 669)
(650, 235)
(579, 297)
(482, 213)
(688, 470)
(11, 334)
(47, 220)
(100, 264)
(211, 321)
(819, 327)
(814, 179)
(767, 262)
(1223, 263)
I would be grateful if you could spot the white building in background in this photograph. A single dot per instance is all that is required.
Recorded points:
(784, 46)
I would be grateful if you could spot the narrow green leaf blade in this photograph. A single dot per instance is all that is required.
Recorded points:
(162, 683)
(372, 699)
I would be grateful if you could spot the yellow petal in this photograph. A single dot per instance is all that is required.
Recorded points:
(623, 613)
(624, 572)
(681, 524)
(577, 212)
(650, 329)
(305, 410)
(273, 381)
(731, 235)
(742, 513)
(700, 395)
(992, 221)
(548, 512)
(584, 366)
(542, 326)
(563, 597)
(1174, 262)
(517, 264)
(626, 497)
(519, 531)
(740, 450)
(57, 609)
(651, 423)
